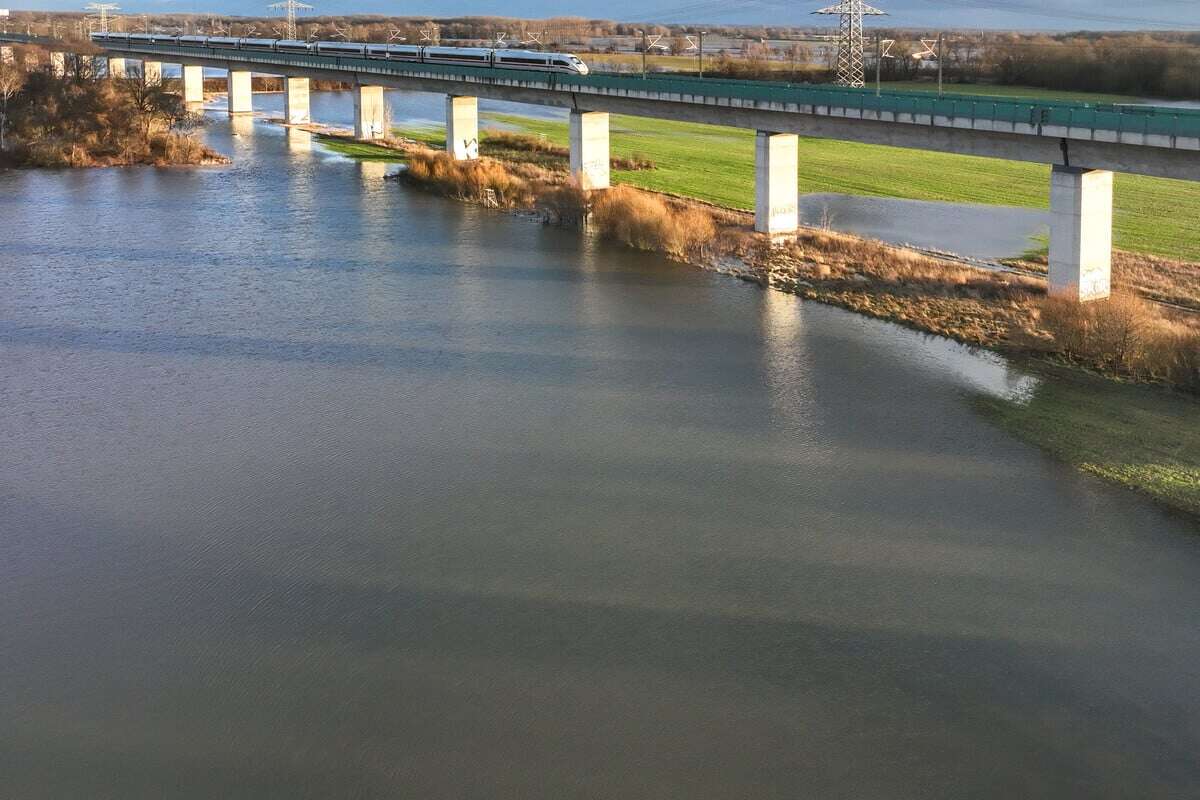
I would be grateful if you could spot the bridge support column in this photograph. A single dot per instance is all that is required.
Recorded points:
(462, 127)
(152, 73)
(193, 84)
(1080, 233)
(370, 113)
(776, 195)
(588, 139)
(58, 64)
(116, 68)
(240, 92)
(6, 55)
(295, 101)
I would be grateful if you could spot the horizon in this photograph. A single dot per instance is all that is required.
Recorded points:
(1017, 15)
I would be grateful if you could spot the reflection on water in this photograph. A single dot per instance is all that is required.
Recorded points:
(316, 486)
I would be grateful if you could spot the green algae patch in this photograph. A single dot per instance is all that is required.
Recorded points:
(1143, 437)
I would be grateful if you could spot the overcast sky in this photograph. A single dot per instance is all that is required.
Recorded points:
(1022, 14)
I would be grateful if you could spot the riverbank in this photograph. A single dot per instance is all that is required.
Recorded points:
(1128, 339)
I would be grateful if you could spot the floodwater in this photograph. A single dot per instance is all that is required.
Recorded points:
(967, 229)
(314, 486)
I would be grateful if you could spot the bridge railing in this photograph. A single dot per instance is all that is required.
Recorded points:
(1116, 119)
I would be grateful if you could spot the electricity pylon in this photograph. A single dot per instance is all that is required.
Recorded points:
(290, 7)
(850, 39)
(102, 9)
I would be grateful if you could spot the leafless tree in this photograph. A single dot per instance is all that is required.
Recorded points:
(11, 82)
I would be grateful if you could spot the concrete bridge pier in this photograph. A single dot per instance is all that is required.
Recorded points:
(370, 113)
(7, 56)
(193, 84)
(776, 195)
(58, 64)
(295, 101)
(588, 140)
(116, 68)
(152, 73)
(1081, 203)
(240, 92)
(462, 127)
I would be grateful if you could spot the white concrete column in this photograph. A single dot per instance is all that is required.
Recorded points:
(1081, 233)
(295, 101)
(152, 73)
(588, 139)
(116, 67)
(370, 113)
(193, 84)
(776, 195)
(238, 86)
(58, 64)
(6, 55)
(462, 127)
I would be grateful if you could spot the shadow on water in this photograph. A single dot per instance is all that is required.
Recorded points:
(316, 486)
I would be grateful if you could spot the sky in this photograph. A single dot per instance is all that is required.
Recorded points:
(960, 14)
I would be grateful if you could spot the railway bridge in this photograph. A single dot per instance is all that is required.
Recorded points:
(1084, 143)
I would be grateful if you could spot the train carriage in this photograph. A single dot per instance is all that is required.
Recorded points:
(463, 56)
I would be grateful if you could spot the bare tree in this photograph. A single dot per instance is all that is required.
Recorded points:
(11, 82)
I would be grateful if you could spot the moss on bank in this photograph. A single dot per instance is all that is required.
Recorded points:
(1141, 437)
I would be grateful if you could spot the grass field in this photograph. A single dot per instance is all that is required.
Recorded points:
(1090, 422)
(716, 164)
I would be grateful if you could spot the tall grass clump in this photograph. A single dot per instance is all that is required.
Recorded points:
(649, 222)
(481, 181)
(1125, 335)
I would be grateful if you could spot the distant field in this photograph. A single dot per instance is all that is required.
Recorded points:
(716, 164)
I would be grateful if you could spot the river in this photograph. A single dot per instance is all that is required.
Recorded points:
(316, 486)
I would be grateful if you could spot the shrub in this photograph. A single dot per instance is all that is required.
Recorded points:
(564, 204)
(480, 181)
(1127, 335)
(648, 222)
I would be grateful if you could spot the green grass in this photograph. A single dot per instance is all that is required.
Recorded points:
(1142, 437)
(1152, 215)
(360, 150)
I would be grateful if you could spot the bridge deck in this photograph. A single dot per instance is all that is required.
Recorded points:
(1136, 125)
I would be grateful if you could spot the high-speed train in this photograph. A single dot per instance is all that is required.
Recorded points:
(463, 56)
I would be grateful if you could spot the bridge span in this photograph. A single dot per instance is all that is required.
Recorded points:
(1084, 143)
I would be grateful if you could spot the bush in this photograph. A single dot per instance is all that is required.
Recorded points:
(486, 182)
(648, 222)
(1125, 335)
(564, 204)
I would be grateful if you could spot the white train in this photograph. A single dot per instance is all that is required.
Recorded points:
(463, 56)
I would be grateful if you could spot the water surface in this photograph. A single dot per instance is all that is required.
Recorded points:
(314, 486)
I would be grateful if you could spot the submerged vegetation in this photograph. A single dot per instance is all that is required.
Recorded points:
(78, 121)
(1138, 436)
